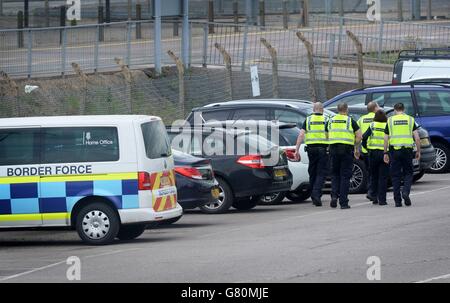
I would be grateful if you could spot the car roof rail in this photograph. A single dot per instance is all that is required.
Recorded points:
(425, 53)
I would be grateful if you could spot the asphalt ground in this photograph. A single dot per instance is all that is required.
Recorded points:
(283, 243)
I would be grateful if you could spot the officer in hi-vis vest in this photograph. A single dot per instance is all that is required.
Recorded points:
(398, 139)
(344, 137)
(364, 123)
(373, 140)
(314, 131)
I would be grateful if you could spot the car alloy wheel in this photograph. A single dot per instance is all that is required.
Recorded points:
(441, 160)
(357, 177)
(217, 203)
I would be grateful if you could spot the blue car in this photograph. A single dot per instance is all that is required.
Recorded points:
(428, 103)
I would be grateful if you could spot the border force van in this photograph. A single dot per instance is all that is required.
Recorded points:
(105, 176)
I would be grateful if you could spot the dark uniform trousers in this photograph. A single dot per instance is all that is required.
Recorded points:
(317, 169)
(341, 171)
(365, 158)
(401, 168)
(379, 173)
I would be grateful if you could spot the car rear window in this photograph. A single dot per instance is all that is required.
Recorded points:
(290, 135)
(156, 140)
(389, 99)
(434, 103)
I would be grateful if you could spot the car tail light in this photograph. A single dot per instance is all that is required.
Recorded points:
(144, 182)
(395, 81)
(189, 172)
(253, 161)
(290, 154)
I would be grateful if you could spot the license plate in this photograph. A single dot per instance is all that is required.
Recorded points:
(215, 193)
(279, 173)
(415, 162)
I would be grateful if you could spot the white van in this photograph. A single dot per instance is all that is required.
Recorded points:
(105, 176)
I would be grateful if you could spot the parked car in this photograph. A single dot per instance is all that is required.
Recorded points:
(287, 138)
(429, 104)
(282, 110)
(413, 65)
(196, 185)
(428, 153)
(242, 176)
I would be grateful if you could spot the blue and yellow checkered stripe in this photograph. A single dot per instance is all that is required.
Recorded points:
(60, 194)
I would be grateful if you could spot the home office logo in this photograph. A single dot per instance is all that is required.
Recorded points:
(374, 10)
(73, 10)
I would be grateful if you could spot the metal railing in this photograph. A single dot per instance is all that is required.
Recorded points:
(50, 51)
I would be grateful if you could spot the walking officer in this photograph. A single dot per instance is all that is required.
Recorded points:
(373, 140)
(398, 139)
(314, 131)
(344, 137)
(364, 124)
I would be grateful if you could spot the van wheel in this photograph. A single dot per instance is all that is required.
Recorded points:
(359, 179)
(246, 203)
(223, 203)
(272, 199)
(130, 232)
(441, 164)
(97, 224)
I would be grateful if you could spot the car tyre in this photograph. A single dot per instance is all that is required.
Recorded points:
(130, 232)
(442, 162)
(271, 199)
(359, 179)
(246, 203)
(419, 176)
(224, 202)
(97, 224)
(300, 195)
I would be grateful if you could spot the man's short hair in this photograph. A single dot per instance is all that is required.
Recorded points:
(372, 106)
(318, 106)
(342, 107)
(399, 107)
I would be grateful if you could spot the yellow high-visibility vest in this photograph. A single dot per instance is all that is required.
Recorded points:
(340, 130)
(315, 130)
(401, 131)
(376, 139)
(364, 124)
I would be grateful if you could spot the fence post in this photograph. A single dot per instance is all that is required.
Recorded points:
(400, 10)
(128, 79)
(63, 51)
(175, 28)
(62, 21)
(306, 13)
(359, 49)
(211, 15)
(205, 45)
(1, 7)
(30, 54)
(262, 14)
(107, 11)
(13, 85)
(181, 87)
(429, 7)
(341, 8)
(26, 12)
(341, 33)
(244, 47)
(47, 13)
(101, 36)
(236, 15)
(380, 41)
(285, 14)
(83, 79)
(312, 71)
(227, 60)
(331, 56)
(273, 55)
(97, 39)
(20, 29)
(138, 23)
(128, 55)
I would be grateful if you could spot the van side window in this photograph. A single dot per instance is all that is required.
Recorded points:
(156, 140)
(80, 144)
(389, 99)
(19, 146)
(434, 103)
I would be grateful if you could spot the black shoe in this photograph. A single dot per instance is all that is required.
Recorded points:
(345, 206)
(382, 203)
(407, 200)
(370, 198)
(375, 202)
(398, 204)
(333, 203)
(317, 203)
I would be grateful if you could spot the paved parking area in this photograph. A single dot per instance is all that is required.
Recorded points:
(284, 243)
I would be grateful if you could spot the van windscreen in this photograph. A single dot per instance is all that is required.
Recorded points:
(156, 140)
